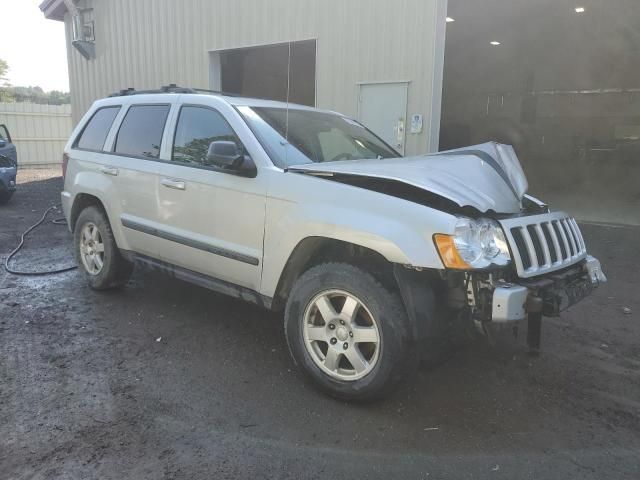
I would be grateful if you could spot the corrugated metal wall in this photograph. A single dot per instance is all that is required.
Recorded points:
(39, 132)
(148, 43)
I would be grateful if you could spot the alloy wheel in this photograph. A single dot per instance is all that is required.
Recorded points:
(91, 249)
(341, 335)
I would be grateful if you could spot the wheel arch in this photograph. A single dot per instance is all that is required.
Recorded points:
(313, 251)
(82, 201)
(418, 289)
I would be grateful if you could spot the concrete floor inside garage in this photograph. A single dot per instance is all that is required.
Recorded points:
(168, 380)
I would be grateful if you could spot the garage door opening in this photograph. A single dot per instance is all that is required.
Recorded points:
(560, 84)
(268, 71)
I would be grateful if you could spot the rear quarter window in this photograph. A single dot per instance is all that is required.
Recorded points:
(140, 134)
(95, 132)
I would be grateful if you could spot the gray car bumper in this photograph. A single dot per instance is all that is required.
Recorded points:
(510, 300)
(7, 179)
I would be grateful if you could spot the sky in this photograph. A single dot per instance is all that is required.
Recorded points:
(33, 46)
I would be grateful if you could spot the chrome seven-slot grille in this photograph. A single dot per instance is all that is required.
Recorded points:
(544, 243)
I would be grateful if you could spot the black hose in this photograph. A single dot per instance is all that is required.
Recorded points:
(58, 221)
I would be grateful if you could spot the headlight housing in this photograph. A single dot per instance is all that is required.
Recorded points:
(476, 244)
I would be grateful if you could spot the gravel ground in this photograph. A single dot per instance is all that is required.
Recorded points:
(168, 380)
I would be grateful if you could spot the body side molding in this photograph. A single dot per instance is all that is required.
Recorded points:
(189, 242)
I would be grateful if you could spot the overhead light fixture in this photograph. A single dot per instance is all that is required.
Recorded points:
(450, 19)
(494, 43)
(579, 9)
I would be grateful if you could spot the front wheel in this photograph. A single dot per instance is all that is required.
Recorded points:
(349, 334)
(97, 254)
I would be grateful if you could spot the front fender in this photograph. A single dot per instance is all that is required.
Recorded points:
(399, 230)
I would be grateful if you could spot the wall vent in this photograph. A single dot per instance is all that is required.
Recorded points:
(83, 35)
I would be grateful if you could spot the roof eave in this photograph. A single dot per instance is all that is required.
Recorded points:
(53, 9)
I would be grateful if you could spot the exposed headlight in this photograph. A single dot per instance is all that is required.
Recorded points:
(475, 244)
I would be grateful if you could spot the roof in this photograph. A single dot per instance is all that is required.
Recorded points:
(232, 99)
(263, 103)
(236, 101)
(54, 9)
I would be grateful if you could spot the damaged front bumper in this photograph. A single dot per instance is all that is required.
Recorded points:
(490, 301)
(550, 294)
(502, 303)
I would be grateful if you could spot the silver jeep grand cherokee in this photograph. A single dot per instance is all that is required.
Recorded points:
(371, 257)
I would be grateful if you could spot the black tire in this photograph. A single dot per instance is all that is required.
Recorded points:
(5, 197)
(397, 356)
(116, 270)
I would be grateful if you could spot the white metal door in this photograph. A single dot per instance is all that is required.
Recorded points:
(383, 110)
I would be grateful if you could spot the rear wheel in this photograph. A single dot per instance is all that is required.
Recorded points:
(348, 333)
(97, 253)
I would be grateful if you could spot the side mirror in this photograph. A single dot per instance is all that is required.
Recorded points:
(231, 158)
(225, 154)
(3, 143)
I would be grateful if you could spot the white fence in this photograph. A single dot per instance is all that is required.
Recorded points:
(39, 132)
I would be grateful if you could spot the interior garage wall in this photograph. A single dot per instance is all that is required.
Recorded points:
(148, 43)
(261, 72)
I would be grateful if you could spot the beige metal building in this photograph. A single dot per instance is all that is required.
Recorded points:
(379, 61)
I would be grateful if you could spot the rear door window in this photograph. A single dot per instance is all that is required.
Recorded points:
(140, 134)
(95, 132)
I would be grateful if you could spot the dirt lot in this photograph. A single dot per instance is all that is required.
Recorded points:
(168, 380)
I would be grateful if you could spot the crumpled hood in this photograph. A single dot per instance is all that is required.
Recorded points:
(485, 177)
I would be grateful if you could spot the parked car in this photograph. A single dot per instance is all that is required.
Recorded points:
(8, 166)
(370, 256)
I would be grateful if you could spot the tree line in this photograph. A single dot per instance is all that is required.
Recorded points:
(10, 94)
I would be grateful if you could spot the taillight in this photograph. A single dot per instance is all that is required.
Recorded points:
(65, 161)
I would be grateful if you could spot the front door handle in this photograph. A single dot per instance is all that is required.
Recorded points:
(175, 184)
(109, 171)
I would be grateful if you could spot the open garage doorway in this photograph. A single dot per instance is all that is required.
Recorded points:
(560, 81)
(267, 71)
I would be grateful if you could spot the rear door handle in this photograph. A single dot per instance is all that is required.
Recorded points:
(175, 184)
(109, 171)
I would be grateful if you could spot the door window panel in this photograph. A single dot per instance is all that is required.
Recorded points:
(197, 128)
(4, 134)
(95, 132)
(141, 131)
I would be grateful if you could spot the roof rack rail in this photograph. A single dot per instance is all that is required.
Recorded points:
(216, 92)
(171, 88)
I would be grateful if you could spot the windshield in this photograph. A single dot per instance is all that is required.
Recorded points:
(312, 136)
